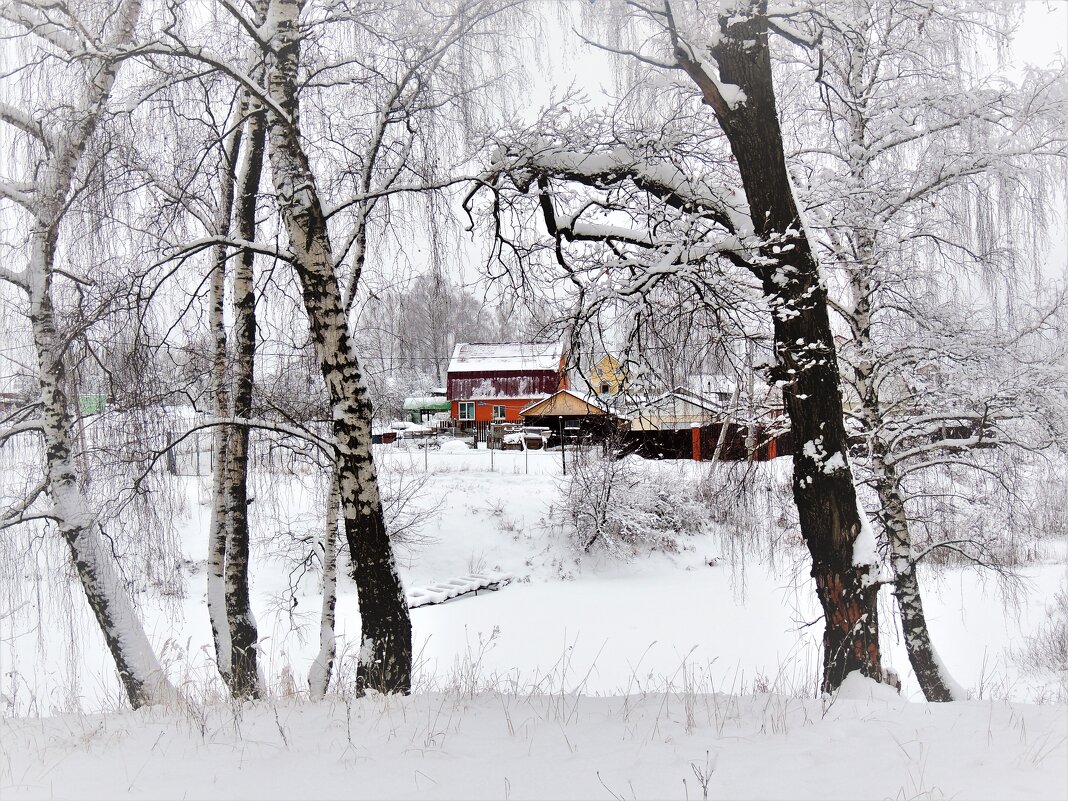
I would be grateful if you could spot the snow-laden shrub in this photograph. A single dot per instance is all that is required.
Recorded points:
(622, 506)
(1045, 653)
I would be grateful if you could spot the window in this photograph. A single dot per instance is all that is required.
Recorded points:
(467, 410)
(498, 413)
(606, 388)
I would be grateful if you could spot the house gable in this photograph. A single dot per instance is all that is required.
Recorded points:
(509, 370)
(608, 376)
(675, 409)
(564, 403)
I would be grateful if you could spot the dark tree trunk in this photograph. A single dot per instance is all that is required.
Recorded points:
(807, 368)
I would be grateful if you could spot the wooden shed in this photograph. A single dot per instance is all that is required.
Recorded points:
(571, 416)
(676, 410)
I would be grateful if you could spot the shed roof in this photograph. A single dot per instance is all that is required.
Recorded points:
(686, 396)
(566, 403)
(431, 402)
(486, 357)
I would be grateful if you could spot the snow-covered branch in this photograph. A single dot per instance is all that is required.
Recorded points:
(35, 21)
(10, 192)
(21, 120)
(20, 513)
(16, 278)
(33, 425)
(607, 167)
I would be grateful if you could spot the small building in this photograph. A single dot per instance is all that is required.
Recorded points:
(675, 410)
(571, 417)
(608, 377)
(429, 408)
(493, 382)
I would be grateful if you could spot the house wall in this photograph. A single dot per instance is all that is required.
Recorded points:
(680, 444)
(484, 409)
(607, 371)
(493, 385)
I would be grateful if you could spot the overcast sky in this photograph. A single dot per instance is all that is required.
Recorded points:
(1044, 32)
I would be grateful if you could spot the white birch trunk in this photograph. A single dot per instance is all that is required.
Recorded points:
(142, 676)
(385, 647)
(219, 528)
(935, 681)
(322, 667)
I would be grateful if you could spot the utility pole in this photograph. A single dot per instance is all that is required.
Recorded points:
(563, 447)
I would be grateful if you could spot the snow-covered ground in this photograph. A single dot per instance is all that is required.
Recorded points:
(867, 743)
(583, 677)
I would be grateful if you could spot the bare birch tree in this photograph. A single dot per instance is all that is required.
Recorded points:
(79, 43)
(925, 170)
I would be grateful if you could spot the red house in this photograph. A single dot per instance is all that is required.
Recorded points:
(492, 382)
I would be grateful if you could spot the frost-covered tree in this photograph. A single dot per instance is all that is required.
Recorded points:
(927, 176)
(348, 95)
(56, 102)
(698, 192)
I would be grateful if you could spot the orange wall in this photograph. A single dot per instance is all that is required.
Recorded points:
(485, 413)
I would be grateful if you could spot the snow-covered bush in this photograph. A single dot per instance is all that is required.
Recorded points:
(621, 506)
(1045, 653)
(403, 494)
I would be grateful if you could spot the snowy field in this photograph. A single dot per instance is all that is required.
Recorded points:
(689, 674)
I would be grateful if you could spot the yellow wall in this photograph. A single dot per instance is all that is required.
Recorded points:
(608, 371)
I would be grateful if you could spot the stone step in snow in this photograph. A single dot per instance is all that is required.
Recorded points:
(453, 588)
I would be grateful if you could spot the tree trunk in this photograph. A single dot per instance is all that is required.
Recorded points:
(142, 677)
(219, 527)
(807, 368)
(386, 644)
(934, 679)
(245, 678)
(936, 683)
(322, 667)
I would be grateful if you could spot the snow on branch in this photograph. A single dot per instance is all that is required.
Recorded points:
(32, 425)
(19, 513)
(10, 192)
(35, 21)
(21, 120)
(16, 278)
(606, 167)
